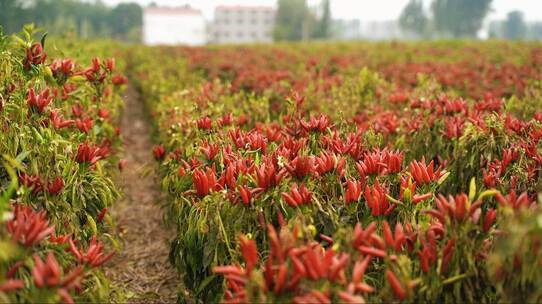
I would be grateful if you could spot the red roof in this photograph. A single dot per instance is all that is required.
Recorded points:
(172, 10)
(244, 8)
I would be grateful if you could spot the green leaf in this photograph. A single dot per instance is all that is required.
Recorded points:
(43, 40)
(486, 193)
(443, 178)
(13, 185)
(205, 282)
(20, 41)
(92, 224)
(394, 200)
(22, 156)
(472, 189)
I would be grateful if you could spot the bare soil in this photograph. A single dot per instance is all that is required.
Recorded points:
(142, 270)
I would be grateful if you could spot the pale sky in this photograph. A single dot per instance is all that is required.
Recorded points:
(366, 10)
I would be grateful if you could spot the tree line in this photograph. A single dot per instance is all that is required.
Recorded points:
(295, 20)
(85, 19)
(463, 19)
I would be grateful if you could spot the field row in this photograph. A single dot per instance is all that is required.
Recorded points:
(351, 173)
(59, 143)
(303, 173)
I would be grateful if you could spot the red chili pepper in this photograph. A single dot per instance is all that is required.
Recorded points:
(225, 270)
(326, 238)
(71, 279)
(65, 296)
(395, 285)
(338, 266)
(11, 285)
(101, 215)
(353, 191)
(349, 298)
(362, 287)
(387, 235)
(447, 255)
(250, 253)
(420, 198)
(90, 154)
(359, 269)
(246, 195)
(293, 282)
(424, 260)
(159, 152)
(312, 265)
(372, 251)
(281, 278)
(326, 261)
(298, 266)
(489, 219)
(320, 297)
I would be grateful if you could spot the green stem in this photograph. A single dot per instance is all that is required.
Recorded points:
(224, 234)
(454, 279)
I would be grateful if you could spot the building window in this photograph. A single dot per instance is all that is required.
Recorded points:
(240, 21)
(240, 35)
(253, 21)
(226, 21)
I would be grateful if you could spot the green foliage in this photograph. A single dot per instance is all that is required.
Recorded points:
(292, 20)
(86, 19)
(45, 185)
(459, 18)
(295, 21)
(518, 253)
(413, 18)
(514, 26)
(125, 17)
(323, 27)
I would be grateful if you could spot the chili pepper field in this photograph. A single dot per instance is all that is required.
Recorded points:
(281, 173)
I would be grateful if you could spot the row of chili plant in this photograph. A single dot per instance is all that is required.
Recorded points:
(343, 184)
(59, 146)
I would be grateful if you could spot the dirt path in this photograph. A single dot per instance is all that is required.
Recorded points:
(142, 270)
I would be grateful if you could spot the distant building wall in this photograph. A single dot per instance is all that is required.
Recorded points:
(243, 24)
(170, 26)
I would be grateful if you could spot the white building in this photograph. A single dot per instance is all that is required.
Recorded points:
(170, 26)
(243, 24)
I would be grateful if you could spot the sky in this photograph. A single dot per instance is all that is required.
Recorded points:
(365, 10)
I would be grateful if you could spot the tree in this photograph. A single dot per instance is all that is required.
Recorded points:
(323, 29)
(459, 18)
(87, 19)
(124, 18)
(413, 19)
(514, 26)
(293, 20)
(12, 15)
(536, 31)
